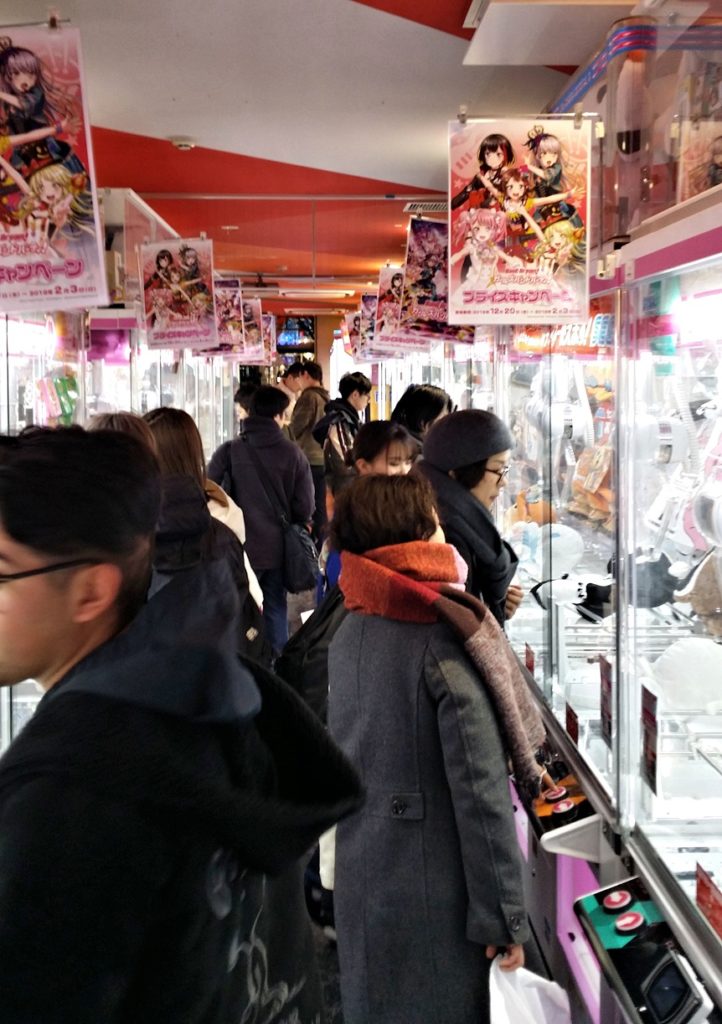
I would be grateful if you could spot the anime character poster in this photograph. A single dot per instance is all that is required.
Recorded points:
(388, 307)
(51, 238)
(229, 314)
(352, 323)
(700, 158)
(252, 331)
(264, 354)
(179, 307)
(424, 314)
(518, 214)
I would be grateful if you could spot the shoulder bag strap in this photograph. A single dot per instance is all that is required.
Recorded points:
(273, 501)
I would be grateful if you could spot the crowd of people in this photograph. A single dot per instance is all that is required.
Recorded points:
(158, 812)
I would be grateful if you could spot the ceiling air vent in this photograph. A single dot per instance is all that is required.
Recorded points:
(427, 207)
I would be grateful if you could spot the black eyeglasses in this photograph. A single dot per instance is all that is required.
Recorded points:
(500, 473)
(56, 567)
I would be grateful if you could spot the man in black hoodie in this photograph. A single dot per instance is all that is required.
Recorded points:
(159, 782)
(336, 430)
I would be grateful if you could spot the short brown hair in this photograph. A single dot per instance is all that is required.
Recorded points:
(376, 511)
(124, 423)
(178, 443)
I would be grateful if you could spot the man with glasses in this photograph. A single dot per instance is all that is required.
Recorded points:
(466, 458)
(139, 806)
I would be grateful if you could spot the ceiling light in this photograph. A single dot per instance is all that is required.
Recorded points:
(476, 12)
(182, 142)
(316, 293)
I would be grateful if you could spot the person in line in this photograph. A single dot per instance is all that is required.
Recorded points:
(466, 459)
(191, 526)
(340, 424)
(259, 456)
(428, 703)
(160, 779)
(306, 380)
(420, 406)
(381, 447)
(242, 399)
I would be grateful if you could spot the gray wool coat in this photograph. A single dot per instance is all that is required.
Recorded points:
(428, 871)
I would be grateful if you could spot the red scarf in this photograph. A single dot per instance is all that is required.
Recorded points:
(420, 582)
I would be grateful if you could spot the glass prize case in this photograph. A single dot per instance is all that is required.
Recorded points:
(557, 394)
(670, 597)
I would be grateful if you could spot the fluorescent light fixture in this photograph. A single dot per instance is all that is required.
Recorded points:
(476, 12)
(316, 293)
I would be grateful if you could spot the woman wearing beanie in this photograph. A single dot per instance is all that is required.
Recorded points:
(466, 459)
(428, 704)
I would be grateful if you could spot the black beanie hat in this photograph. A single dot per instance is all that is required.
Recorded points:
(463, 438)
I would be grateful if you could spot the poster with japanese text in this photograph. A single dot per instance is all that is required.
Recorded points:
(252, 351)
(268, 325)
(179, 308)
(229, 314)
(51, 237)
(518, 214)
(423, 315)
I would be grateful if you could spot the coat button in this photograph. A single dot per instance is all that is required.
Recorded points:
(515, 922)
(398, 807)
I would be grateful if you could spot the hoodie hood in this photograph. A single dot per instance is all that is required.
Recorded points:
(165, 717)
(338, 410)
(260, 432)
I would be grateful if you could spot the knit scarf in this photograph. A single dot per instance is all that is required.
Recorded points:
(420, 582)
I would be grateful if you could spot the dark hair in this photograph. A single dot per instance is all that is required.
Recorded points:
(376, 437)
(163, 254)
(178, 443)
(469, 476)
(355, 381)
(376, 511)
(244, 394)
(268, 402)
(72, 493)
(126, 423)
(420, 405)
(492, 142)
(299, 367)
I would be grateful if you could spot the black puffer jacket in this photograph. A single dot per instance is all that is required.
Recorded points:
(187, 535)
(152, 817)
(469, 527)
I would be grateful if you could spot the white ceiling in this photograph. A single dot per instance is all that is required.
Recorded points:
(328, 84)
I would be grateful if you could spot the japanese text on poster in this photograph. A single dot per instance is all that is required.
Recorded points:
(518, 221)
(177, 277)
(51, 244)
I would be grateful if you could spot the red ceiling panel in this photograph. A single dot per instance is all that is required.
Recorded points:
(444, 15)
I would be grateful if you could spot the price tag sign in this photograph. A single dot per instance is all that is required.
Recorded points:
(605, 699)
(572, 724)
(529, 658)
(649, 738)
(709, 899)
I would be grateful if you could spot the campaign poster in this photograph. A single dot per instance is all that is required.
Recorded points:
(252, 351)
(229, 314)
(518, 215)
(51, 236)
(179, 307)
(388, 308)
(268, 325)
(700, 158)
(353, 330)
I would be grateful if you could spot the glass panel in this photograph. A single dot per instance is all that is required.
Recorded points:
(672, 572)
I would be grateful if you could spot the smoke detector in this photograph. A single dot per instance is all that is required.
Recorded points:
(182, 142)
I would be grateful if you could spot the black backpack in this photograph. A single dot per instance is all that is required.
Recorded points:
(303, 663)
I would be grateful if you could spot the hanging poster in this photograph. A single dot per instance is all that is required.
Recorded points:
(229, 314)
(51, 238)
(252, 351)
(177, 277)
(353, 330)
(268, 323)
(518, 214)
(423, 313)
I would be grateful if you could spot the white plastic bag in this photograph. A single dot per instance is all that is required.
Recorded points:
(520, 997)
